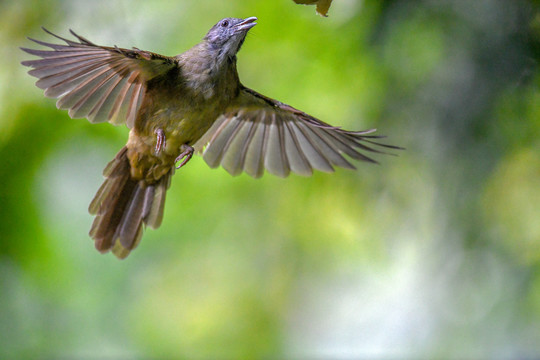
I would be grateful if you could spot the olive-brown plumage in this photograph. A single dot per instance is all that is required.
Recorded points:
(173, 107)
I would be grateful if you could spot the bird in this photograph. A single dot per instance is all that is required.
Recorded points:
(175, 106)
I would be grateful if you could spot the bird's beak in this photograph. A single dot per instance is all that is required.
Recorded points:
(246, 24)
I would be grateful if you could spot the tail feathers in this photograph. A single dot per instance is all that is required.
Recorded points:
(123, 206)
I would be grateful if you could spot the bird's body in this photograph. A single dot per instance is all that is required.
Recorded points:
(173, 107)
(182, 103)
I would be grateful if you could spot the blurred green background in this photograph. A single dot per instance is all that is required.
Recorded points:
(432, 254)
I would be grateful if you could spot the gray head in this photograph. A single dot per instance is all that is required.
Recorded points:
(228, 35)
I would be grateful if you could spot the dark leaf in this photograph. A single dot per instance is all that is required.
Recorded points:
(322, 5)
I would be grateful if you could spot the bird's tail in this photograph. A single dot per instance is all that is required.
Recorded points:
(123, 206)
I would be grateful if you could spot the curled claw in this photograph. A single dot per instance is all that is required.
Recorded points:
(187, 153)
(161, 140)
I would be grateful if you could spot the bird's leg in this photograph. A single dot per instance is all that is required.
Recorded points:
(187, 153)
(160, 142)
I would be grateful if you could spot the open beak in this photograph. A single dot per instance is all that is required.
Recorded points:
(246, 24)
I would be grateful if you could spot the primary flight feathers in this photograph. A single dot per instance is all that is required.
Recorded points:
(96, 82)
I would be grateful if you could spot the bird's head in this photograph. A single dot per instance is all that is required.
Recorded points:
(228, 35)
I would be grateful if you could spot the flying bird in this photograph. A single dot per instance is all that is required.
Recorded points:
(173, 107)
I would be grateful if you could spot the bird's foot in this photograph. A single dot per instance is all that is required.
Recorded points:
(160, 141)
(187, 153)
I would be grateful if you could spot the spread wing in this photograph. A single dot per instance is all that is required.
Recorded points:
(96, 82)
(258, 133)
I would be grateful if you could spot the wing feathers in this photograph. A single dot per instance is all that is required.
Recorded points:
(101, 110)
(328, 148)
(71, 72)
(298, 162)
(119, 110)
(233, 160)
(97, 82)
(312, 152)
(259, 133)
(276, 158)
(345, 146)
(133, 104)
(83, 90)
(87, 100)
(254, 158)
(219, 142)
(51, 67)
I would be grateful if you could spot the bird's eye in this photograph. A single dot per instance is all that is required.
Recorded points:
(224, 23)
